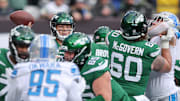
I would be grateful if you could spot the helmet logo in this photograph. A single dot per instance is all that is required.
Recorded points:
(65, 20)
(82, 41)
(134, 24)
(27, 41)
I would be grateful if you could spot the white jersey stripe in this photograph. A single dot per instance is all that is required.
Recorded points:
(103, 66)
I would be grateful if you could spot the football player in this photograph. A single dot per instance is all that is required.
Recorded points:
(161, 86)
(99, 47)
(44, 79)
(177, 63)
(62, 25)
(95, 70)
(20, 38)
(132, 57)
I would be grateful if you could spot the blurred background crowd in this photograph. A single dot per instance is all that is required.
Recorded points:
(87, 9)
(88, 14)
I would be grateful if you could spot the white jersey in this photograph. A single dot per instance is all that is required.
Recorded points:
(177, 53)
(177, 68)
(45, 81)
(162, 84)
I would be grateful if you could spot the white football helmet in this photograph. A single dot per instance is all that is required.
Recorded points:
(170, 18)
(43, 48)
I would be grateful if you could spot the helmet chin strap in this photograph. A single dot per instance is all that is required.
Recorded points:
(132, 37)
(61, 37)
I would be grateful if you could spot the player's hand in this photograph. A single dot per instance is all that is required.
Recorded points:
(30, 24)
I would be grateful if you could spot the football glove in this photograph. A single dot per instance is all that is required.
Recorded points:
(166, 38)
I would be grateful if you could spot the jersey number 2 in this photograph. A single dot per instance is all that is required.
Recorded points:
(36, 82)
(127, 67)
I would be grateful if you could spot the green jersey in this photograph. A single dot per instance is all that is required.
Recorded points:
(60, 56)
(57, 43)
(93, 69)
(100, 50)
(6, 67)
(177, 71)
(130, 62)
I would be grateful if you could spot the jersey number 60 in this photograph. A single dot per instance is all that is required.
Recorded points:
(127, 66)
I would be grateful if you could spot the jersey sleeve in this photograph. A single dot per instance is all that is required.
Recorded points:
(4, 72)
(15, 91)
(114, 33)
(177, 71)
(94, 68)
(76, 89)
(3, 79)
(13, 94)
(152, 50)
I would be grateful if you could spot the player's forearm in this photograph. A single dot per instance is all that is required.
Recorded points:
(104, 90)
(168, 59)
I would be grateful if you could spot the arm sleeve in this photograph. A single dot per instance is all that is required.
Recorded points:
(12, 94)
(74, 92)
(3, 84)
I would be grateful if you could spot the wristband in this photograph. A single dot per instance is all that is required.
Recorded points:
(164, 44)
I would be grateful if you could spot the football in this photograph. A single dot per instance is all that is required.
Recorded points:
(21, 17)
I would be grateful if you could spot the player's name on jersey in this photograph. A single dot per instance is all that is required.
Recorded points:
(128, 48)
(102, 53)
(45, 65)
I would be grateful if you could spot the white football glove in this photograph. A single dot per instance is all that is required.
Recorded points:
(166, 38)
